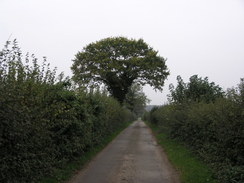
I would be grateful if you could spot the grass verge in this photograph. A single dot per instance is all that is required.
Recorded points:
(190, 168)
(65, 173)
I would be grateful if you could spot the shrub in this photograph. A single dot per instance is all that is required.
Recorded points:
(44, 121)
(213, 131)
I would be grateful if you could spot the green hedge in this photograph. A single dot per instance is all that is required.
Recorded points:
(214, 131)
(44, 121)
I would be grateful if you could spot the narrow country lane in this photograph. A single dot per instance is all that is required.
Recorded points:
(133, 157)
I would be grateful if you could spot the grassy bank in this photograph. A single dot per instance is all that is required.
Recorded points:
(65, 173)
(190, 168)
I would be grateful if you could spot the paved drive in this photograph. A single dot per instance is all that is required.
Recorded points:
(132, 157)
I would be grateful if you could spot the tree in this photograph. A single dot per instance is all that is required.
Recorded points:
(117, 62)
(199, 89)
(236, 94)
(136, 99)
(178, 93)
(196, 90)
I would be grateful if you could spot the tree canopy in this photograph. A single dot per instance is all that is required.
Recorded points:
(197, 90)
(118, 62)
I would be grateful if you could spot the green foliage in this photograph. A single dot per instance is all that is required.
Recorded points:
(118, 62)
(44, 121)
(213, 131)
(236, 94)
(196, 90)
(178, 93)
(136, 99)
(190, 168)
(67, 171)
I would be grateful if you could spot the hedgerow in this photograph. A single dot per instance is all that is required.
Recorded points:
(45, 121)
(212, 130)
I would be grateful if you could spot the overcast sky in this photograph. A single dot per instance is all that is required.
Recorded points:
(204, 37)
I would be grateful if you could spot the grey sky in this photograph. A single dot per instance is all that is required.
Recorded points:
(204, 37)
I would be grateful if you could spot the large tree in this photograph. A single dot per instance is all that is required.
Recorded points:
(117, 62)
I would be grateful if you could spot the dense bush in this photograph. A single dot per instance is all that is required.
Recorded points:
(44, 121)
(197, 90)
(214, 131)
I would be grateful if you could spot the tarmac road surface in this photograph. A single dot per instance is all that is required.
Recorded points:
(132, 157)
